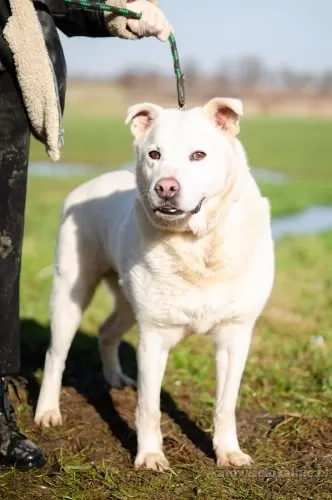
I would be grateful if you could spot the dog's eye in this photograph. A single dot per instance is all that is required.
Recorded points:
(197, 156)
(155, 155)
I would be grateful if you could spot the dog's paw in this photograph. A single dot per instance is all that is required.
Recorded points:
(155, 461)
(118, 380)
(48, 418)
(236, 458)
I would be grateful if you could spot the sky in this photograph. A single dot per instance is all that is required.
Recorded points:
(289, 33)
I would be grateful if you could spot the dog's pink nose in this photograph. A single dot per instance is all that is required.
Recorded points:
(167, 188)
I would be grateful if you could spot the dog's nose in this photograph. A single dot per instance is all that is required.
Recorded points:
(167, 188)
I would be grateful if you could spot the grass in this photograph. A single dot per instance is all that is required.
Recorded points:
(102, 140)
(285, 402)
(300, 148)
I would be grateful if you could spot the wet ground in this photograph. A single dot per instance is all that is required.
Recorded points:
(312, 220)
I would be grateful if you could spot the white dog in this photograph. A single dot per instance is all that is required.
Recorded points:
(185, 247)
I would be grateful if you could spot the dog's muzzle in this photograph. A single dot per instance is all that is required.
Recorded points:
(172, 210)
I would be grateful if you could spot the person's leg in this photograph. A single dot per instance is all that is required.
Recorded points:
(14, 157)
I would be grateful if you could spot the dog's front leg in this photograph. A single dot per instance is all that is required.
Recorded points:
(232, 345)
(152, 357)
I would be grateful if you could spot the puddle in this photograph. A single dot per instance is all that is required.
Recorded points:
(268, 176)
(46, 169)
(262, 175)
(312, 220)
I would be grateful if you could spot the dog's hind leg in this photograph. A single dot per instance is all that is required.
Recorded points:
(74, 283)
(110, 333)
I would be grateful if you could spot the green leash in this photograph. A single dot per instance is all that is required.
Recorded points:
(135, 15)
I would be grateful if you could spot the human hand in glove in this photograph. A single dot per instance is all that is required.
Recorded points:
(152, 23)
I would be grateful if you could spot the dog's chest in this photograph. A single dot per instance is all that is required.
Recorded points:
(173, 302)
(200, 286)
(201, 309)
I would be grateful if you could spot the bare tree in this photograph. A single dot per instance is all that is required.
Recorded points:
(324, 85)
(191, 72)
(251, 71)
(297, 80)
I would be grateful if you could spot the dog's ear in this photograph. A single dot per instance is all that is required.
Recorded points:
(225, 113)
(141, 117)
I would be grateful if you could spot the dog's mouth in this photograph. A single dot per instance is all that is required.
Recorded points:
(171, 210)
(198, 207)
(168, 209)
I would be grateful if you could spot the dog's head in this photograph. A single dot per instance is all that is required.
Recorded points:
(184, 158)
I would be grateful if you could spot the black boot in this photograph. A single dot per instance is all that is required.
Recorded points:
(15, 448)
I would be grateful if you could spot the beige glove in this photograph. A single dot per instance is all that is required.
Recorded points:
(152, 23)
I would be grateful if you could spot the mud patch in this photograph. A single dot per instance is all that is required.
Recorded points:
(91, 456)
(102, 424)
(6, 246)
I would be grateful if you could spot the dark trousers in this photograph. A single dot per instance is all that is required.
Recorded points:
(14, 157)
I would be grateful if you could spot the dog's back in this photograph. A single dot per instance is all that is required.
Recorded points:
(92, 213)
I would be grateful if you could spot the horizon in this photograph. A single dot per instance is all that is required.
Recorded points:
(300, 41)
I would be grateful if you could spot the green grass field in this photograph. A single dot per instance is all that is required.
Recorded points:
(302, 149)
(285, 402)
